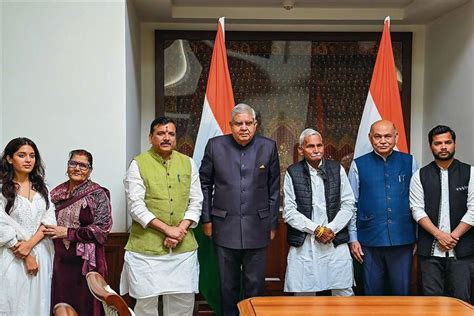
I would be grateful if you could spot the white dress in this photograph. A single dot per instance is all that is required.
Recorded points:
(21, 293)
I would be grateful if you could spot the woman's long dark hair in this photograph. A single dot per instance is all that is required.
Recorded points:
(7, 173)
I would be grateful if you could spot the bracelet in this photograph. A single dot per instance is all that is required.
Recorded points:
(320, 231)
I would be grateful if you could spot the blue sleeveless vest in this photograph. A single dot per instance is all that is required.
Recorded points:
(383, 213)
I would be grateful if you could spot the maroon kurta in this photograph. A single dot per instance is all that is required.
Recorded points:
(69, 283)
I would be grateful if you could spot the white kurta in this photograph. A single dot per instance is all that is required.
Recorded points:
(146, 276)
(22, 294)
(315, 266)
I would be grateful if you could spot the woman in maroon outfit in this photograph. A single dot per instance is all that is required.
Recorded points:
(84, 219)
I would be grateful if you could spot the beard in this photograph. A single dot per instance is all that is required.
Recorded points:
(444, 158)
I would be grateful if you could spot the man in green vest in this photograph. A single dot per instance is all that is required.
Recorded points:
(164, 199)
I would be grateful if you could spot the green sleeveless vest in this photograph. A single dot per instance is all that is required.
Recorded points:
(167, 183)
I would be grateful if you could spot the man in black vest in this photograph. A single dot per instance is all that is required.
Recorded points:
(318, 205)
(442, 202)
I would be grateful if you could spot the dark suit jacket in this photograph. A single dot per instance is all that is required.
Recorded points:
(241, 187)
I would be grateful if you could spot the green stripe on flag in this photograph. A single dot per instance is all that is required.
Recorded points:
(209, 283)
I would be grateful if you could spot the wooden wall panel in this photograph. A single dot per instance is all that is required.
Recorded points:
(114, 254)
(276, 262)
(275, 273)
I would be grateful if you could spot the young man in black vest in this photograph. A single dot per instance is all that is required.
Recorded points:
(318, 206)
(442, 202)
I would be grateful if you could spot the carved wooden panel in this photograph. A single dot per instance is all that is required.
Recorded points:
(276, 262)
(114, 254)
(275, 273)
(293, 80)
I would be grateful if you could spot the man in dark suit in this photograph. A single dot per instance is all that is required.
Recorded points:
(240, 180)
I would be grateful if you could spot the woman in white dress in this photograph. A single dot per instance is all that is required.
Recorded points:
(26, 257)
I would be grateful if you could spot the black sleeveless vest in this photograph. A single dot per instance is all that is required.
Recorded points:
(301, 178)
(459, 175)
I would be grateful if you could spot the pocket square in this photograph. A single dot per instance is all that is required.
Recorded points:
(261, 167)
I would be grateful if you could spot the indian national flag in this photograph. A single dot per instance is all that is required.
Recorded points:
(218, 104)
(219, 99)
(383, 100)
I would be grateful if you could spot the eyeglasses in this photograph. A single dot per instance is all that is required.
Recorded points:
(82, 166)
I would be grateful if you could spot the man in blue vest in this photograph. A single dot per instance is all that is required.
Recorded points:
(382, 232)
(442, 202)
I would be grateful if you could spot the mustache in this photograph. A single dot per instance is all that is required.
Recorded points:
(445, 158)
(165, 143)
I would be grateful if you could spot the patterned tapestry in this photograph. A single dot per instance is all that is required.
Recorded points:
(292, 85)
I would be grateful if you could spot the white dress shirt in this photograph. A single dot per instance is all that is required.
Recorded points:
(417, 205)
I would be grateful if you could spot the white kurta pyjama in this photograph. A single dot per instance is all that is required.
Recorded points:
(145, 276)
(314, 266)
(22, 294)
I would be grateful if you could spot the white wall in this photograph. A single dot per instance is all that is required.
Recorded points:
(417, 93)
(148, 82)
(133, 98)
(418, 51)
(133, 70)
(449, 79)
(1, 75)
(64, 86)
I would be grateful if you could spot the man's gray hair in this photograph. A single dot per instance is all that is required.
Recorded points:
(308, 132)
(242, 108)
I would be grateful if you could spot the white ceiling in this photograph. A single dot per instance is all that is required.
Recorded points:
(363, 12)
(298, 3)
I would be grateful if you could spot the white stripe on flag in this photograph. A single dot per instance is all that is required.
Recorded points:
(369, 116)
(208, 128)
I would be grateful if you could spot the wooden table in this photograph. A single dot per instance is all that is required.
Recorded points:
(354, 305)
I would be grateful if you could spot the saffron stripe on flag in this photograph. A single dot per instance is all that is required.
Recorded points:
(217, 108)
(383, 99)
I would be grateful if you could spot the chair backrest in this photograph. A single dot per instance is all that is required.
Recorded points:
(113, 303)
(64, 309)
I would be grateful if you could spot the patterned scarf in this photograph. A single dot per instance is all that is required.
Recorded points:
(68, 208)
